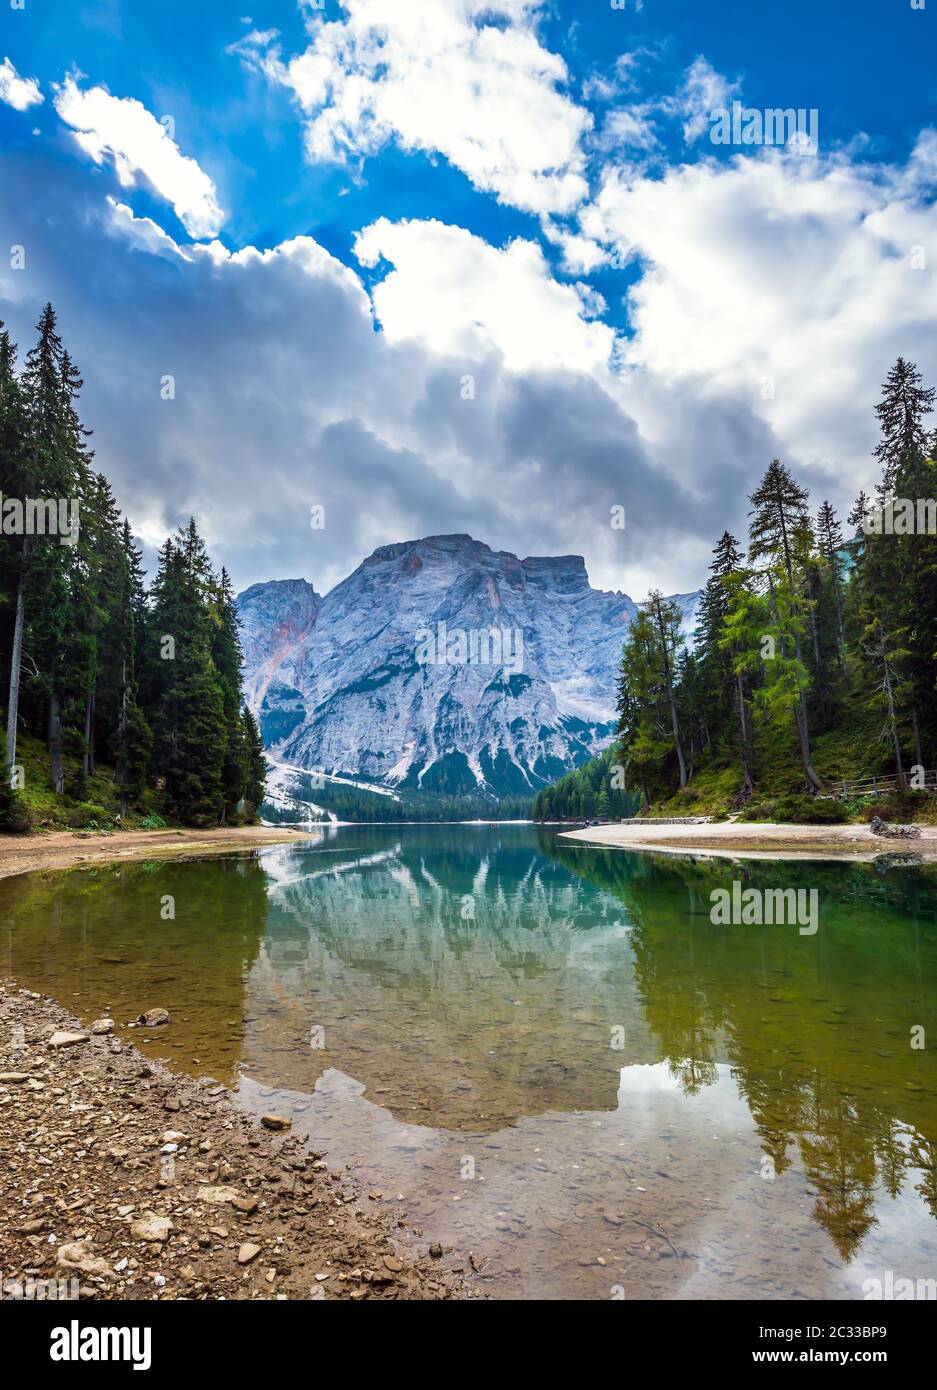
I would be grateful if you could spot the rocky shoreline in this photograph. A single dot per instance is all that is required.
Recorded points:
(122, 1180)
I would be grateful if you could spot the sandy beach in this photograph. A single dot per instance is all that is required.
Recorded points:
(65, 849)
(758, 840)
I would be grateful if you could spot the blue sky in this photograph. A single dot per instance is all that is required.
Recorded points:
(520, 193)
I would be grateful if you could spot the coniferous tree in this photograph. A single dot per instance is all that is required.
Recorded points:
(901, 411)
(256, 761)
(228, 660)
(725, 681)
(780, 532)
(649, 724)
(82, 646)
(830, 542)
(14, 553)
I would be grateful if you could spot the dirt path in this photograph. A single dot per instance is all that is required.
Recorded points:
(62, 849)
(759, 840)
(136, 1183)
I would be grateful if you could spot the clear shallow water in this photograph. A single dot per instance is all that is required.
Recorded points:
(548, 1051)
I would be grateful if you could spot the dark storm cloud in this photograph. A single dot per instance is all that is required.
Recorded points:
(286, 397)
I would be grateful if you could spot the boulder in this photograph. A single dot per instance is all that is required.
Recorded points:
(153, 1018)
(894, 832)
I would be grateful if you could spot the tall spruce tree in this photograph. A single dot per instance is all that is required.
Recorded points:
(14, 553)
(780, 532)
(901, 411)
(726, 678)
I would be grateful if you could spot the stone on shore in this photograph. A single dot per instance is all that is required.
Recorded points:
(63, 1039)
(151, 1228)
(77, 1255)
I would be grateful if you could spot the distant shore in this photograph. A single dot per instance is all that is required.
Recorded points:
(758, 840)
(65, 849)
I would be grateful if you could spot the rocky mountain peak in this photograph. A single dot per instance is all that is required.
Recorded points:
(439, 664)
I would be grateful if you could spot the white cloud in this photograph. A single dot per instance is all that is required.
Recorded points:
(581, 255)
(704, 91)
(140, 146)
(782, 275)
(628, 127)
(18, 92)
(457, 295)
(440, 76)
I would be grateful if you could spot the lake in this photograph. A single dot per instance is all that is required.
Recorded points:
(546, 1054)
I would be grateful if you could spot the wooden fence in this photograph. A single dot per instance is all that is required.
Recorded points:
(887, 782)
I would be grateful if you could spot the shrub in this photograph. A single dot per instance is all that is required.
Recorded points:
(88, 818)
(152, 822)
(18, 818)
(800, 810)
(898, 806)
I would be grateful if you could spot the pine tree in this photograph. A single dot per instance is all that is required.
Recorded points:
(781, 533)
(57, 468)
(649, 725)
(897, 582)
(228, 662)
(901, 412)
(14, 552)
(256, 762)
(830, 541)
(179, 677)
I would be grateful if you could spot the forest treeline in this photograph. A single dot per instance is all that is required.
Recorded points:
(595, 791)
(350, 803)
(818, 632)
(93, 663)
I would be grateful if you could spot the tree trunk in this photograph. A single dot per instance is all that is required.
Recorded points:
(841, 634)
(55, 743)
(16, 662)
(87, 757)
(675, 722)
(803, 733)
(822, 687)
(121, 768)
(893, 723)
(748, 785)
(918, 753)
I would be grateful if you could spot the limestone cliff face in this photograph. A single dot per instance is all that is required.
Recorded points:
(438, 664)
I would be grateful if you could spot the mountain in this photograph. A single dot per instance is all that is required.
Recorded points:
(439, 665)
